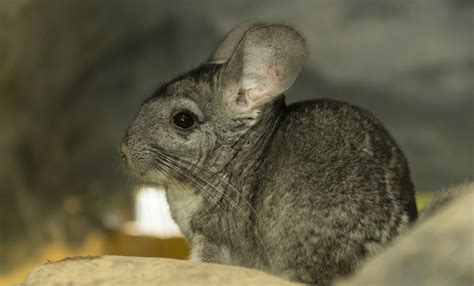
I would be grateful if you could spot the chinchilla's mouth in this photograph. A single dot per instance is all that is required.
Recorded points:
(144, 175)
(149, 170)
(156, 177)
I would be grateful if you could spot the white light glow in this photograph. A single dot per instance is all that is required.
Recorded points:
(152, 213)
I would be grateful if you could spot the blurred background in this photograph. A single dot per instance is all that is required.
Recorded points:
(73, 74)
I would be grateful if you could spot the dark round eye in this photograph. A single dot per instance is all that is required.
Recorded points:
(183, 120)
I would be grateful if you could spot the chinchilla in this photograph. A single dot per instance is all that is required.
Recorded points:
(303, 191)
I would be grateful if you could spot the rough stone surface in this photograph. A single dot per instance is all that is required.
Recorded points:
(438, 251)
(119, 270)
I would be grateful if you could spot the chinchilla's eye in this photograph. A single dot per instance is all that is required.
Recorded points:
(183, 119)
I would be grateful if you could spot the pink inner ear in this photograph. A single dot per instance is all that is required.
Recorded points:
(264, 88)
(274, 72)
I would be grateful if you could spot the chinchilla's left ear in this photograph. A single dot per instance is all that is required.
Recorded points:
(260, 62)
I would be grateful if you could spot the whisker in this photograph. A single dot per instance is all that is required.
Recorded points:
(226, 182)
(233, 204)
(208, 196)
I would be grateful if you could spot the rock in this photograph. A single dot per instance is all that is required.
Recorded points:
(437, 251)
(121, 270)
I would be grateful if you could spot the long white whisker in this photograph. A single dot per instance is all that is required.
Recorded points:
(228, 199)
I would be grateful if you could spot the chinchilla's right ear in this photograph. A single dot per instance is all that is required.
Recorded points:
(260, 62)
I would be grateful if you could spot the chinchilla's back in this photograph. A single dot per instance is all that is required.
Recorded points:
(336, 187)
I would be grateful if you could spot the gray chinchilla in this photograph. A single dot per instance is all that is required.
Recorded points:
(303, 191)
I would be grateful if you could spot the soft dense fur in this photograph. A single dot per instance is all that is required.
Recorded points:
(303, 191)
(445, 197)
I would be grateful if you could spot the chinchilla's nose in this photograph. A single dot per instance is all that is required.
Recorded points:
(123, 150)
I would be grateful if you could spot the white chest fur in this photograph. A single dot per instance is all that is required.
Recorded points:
(184, 204)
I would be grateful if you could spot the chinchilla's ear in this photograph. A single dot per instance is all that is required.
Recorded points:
(260, 62)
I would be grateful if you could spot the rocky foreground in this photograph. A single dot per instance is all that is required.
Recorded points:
(437, 251)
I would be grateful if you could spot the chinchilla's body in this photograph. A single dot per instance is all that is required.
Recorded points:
(303, 191)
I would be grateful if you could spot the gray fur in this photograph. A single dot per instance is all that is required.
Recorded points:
(445, 197)
(303, 191)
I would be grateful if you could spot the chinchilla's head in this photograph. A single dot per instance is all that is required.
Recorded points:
(197, 121)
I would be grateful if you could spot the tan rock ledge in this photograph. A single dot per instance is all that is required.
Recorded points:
(121, 270)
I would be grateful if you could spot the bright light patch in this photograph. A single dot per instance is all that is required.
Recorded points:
(152, 213)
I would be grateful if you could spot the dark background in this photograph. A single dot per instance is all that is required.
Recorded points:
(73, 74)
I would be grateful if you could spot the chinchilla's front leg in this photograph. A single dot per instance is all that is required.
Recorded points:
(204, 250)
